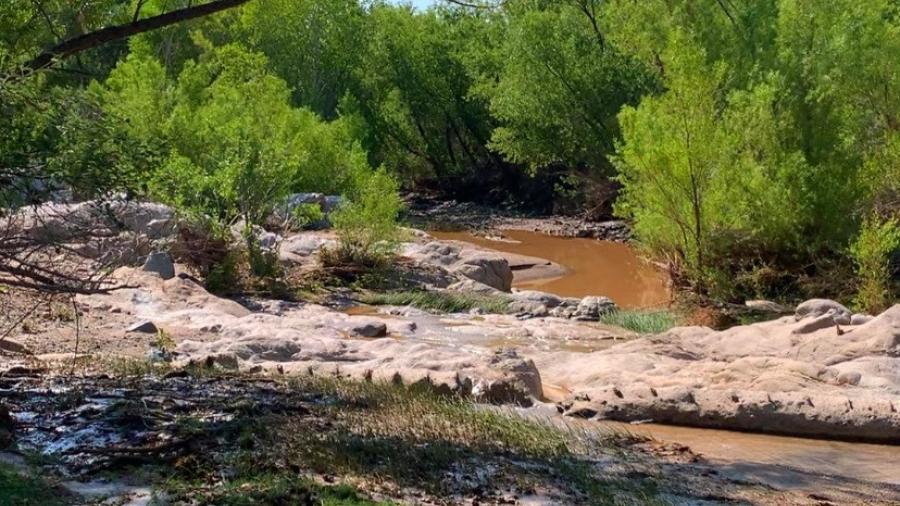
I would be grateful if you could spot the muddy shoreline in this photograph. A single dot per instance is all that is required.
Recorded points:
(451, 215)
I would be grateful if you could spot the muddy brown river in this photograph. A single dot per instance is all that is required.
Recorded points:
(591, 267)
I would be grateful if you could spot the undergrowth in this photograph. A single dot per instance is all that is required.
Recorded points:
(373, 439)
(18, 488)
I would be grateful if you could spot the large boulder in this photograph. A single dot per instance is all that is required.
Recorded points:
(303, 248)
(482, 266)
(160, 263)
(488, 269)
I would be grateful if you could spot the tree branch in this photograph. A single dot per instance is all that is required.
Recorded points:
(97, 38)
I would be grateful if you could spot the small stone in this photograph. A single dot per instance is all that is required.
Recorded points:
(369, 329)
(144, 327)
(161, 263)
(592, 307)
(849, 378)
(12, 346)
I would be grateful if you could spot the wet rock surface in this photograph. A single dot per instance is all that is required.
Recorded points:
(799, 375)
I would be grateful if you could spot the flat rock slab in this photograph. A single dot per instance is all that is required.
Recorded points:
(788, 376)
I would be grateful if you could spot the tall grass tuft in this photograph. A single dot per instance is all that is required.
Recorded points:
(643, 322)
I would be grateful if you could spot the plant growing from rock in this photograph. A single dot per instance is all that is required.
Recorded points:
(366, 225)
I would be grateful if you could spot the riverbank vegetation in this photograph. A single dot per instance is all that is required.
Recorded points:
(753, 146)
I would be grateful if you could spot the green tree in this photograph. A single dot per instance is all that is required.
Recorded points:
(232, 143)
(558, 88)
(413, 92)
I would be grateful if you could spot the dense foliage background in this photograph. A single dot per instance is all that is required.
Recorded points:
(754, 144)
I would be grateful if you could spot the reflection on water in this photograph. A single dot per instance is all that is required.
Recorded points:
(593, 267)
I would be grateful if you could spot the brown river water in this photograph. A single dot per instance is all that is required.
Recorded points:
(615, 270)
(592, 267)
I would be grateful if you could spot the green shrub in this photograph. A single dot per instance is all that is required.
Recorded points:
(263, 262)
(871, 252)
(366, 225)
(224, 276)
(26, 489)
(304, 215)
(232, 144)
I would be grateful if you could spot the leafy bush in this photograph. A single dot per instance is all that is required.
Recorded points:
(233, 145)
(366, 225)
(871, 251)
(304, 215)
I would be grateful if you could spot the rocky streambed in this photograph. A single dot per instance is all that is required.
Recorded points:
(822, 372)
(819, 372)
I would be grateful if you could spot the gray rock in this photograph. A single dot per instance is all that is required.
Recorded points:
(472, 286)
(161, 263)
(529, 309)
(144, 327)
(860, 319)
(160, 228)
(489, 269)
(302, 248)
(817, 307)
(548, 300)
(849, 378)
(268, 240)
(483, 266)
(331, 203)
(369, 329)
(592, 307)
(12, 346)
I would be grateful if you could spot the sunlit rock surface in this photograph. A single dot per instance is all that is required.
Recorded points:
(803, 375)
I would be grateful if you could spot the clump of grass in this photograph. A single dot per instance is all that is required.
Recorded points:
(643, 322)
(23, 489)
(443, 301)
(412, 436)
(267, 489)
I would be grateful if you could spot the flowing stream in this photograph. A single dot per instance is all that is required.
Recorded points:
(593, 267)
(590, 267)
